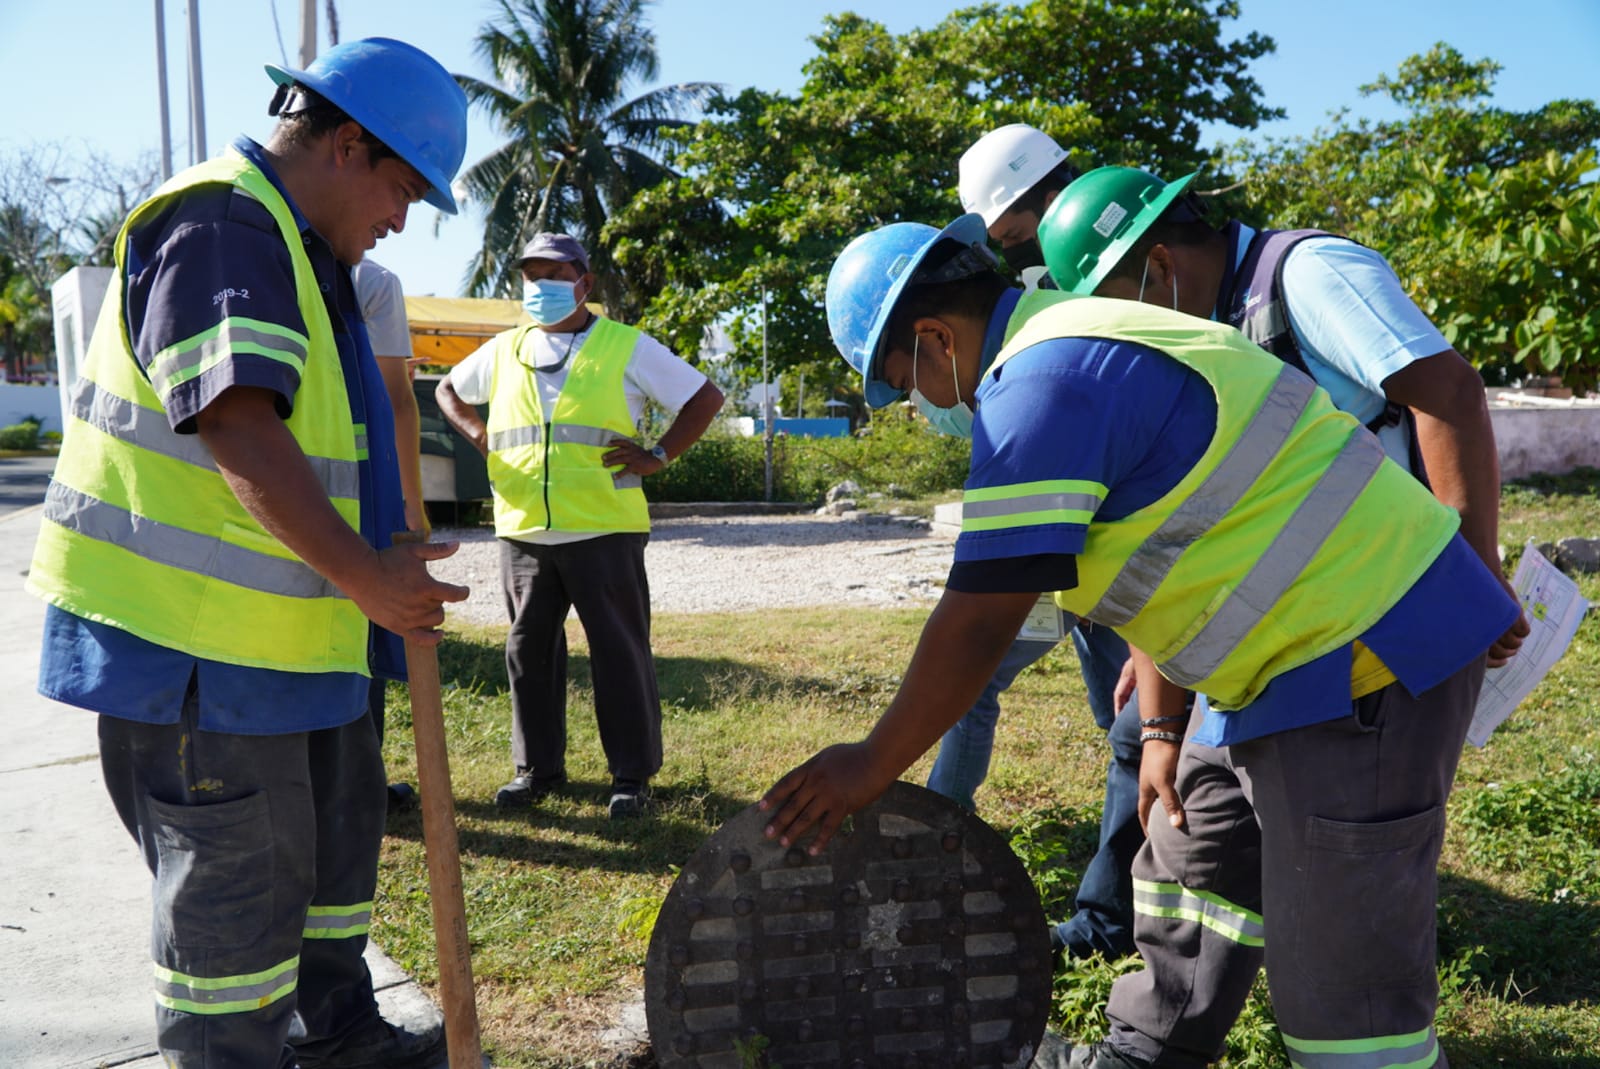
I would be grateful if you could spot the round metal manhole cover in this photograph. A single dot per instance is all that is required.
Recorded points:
(916, 939)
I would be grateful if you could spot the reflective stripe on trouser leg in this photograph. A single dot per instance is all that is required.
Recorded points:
(1197, 921)
(1174, 901)
(1352, 816)
(338, 922)
(225, 994)
(224, 823)
(1416, 1050)
(336, 999)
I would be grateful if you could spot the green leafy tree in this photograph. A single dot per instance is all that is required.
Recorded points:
(578, 148)
(56, 211)
(774, 185)
(1490, 217)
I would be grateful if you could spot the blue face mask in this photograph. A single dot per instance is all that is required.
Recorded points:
(957, 421)
(549, 300)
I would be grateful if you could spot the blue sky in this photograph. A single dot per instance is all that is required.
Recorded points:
(82, 72)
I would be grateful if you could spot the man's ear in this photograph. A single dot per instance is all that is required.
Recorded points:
(1163, 265)
(347, 143)
(932, 328)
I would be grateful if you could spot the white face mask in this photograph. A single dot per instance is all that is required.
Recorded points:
(1146, 275)
(955, 421)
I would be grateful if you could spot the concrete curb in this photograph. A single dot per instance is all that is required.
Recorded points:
(75, 899)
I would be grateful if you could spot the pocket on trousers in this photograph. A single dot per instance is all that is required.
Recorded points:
(214, 872)
(1367, 914)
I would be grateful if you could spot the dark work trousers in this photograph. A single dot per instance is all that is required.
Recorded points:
(1315, 850)
(604, 579)
(264, 850)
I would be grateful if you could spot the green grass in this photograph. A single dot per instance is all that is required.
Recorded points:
(559, 900)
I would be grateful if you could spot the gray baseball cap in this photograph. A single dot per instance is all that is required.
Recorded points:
(561, 247)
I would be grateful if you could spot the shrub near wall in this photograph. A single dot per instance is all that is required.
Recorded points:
(727, 467)
(24, 435)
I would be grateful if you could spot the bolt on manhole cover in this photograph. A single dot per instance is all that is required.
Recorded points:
(916, 939)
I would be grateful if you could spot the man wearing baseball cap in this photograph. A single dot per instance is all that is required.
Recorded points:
(566, 393)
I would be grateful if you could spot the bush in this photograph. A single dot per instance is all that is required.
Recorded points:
(24, 435)
(727, 467)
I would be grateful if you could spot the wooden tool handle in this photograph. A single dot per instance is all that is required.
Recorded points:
(444, 857)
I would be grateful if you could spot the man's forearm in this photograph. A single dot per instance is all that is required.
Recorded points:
(462, 416)
(407, 429)
(961, 645)
(692, 420)
(270, 475)
(1456, 440)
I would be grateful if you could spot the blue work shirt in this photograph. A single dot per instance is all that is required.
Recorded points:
(1137, 421)
(172, 264)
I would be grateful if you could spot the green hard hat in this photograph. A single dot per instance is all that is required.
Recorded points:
(1097, 219)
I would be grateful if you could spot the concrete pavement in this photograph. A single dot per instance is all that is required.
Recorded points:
(75, 986)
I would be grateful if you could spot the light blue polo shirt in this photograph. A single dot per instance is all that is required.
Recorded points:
(1354, 323)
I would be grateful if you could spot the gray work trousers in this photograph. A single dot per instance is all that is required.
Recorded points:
(264, 850)
(604, 579)
(1322, 842)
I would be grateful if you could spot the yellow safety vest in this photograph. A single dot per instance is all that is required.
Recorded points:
(1290, 537)
(546, 469)
(140, 529)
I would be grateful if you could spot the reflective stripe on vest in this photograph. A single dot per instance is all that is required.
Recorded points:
(148, 429)
(1176, 902)
(532, 434)
(141, 530)
(1414, 1050)
(545, 467)
(1226, 580)
(1284, 561)
(188, 550)
(215, 995)
(338, 922)
(1268, 429)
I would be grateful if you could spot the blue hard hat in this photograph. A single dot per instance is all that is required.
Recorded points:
(866, 281)
(401, 96)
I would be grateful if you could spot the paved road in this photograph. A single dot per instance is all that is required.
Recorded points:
(22, 481)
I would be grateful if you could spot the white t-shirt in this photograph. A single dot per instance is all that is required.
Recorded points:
(654, 374)
(383, 306)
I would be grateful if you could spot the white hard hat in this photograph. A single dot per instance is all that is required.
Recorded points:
(1004, 164)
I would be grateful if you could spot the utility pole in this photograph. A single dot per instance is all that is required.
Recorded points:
(308, 32)
(161, 91)
(766, 394)
(197, 95)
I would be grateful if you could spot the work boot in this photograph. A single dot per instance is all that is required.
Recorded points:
(525, 789)
(629, 798)
(383, 1046)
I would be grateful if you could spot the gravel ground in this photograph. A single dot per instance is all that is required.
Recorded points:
(744, 563)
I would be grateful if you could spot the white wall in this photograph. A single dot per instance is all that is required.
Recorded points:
(1551, 438)
(17, 402)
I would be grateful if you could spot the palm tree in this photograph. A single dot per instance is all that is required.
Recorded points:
(577, 151)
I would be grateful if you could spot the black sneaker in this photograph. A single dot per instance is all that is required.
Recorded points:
(525, 789)
(383, 1046)
(629, 798)
(402, 798)
(1103, 1055)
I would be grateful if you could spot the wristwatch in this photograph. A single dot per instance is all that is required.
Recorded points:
(660, 454)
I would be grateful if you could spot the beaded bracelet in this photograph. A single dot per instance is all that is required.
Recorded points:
(1155, 720)
(1163, 736)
